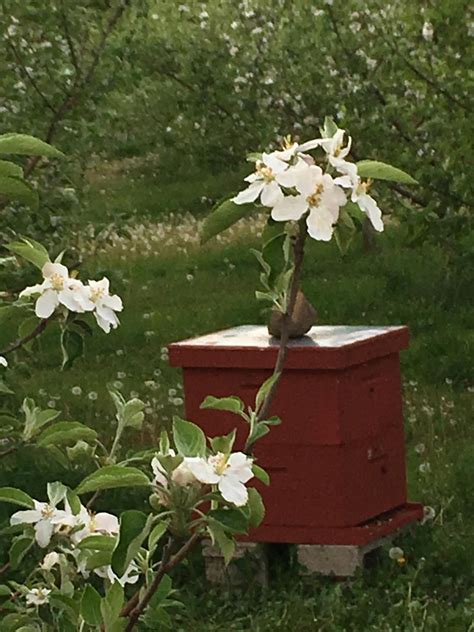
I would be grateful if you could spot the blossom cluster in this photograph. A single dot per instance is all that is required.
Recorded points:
(229, 472)
(291, 183)
(48, 521)
(58, 288)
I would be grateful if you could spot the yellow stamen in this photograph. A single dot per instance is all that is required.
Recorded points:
(315, 198)
(219, 463)
(265, 172)
(57, 281)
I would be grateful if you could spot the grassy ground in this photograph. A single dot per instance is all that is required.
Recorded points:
(173, 289)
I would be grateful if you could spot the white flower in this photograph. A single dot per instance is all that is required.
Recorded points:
(182, 475)
(396, 553)
(3, 361)
(266, 182)
(90, 523)
(46, 518)
(428, 514)
(318, 194)
(57, 288)
(37, 596)
(104, 304)
(228, 472)
(359, 195)
(427, 31)
(129, 577)
(50, 560)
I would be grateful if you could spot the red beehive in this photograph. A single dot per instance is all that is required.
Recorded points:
(337, 461)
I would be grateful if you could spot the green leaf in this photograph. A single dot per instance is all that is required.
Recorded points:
(56, 492)
(31, 250)
(4, 388)
(164, 442)
(232, 404)
(66, 433)
(18, 190)
(256, 507)
(98, 559)
(263, 390)
(260, 473)
(382, 171)
(25, 328)
(10, 169)
(19, 548)
(219, 537)
(90, 606)
(112, 605)
(344, 231)
(113, 476)
(225, 443)
(134, 528)
(259, 430)
(165, 588)
(232, 519)
(156, 534)
(97, 543)
(330, 127)
(189, 439)
(72, 347)
(74, 502)
(35, 418)
(223, 216)
(16, 497)
(23, 144)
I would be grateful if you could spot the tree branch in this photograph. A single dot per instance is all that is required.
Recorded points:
(20, 342)
(298, 250)
(134, 608)
(26, 74)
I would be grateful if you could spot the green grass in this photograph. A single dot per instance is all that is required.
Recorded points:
(427, 288)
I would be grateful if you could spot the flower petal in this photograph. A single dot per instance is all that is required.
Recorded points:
(271, 194)
(46, 304)
(369, 206)
(49, 269)
(30, 516)
(233, 490)
(291, 207)
(106, 522)
(202, 470)
(43, 533)
(320, 224)
(250, 194)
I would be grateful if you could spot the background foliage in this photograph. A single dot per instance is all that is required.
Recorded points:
(154, 104)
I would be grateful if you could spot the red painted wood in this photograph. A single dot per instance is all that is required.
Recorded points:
(337, 460)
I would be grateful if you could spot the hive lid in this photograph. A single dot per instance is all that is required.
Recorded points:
(328, 347)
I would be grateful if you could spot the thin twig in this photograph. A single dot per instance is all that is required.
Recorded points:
(298, 250)
(70, 43)
(134, 608)
(20, 342)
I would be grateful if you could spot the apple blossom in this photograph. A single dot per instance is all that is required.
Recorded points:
(50, 560)
(266, 182)
(228, 472)
(182, 475)
(57, 288)
(37, 596)
(351, 179)
(46, 518)
(90, 523)
(318, 194)
(104, 304)
(129, 577)
(3, 361)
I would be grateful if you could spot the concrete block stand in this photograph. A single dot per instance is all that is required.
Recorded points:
(249, 561)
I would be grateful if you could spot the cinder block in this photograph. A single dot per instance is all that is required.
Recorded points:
(338, 560)
(249, 560)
